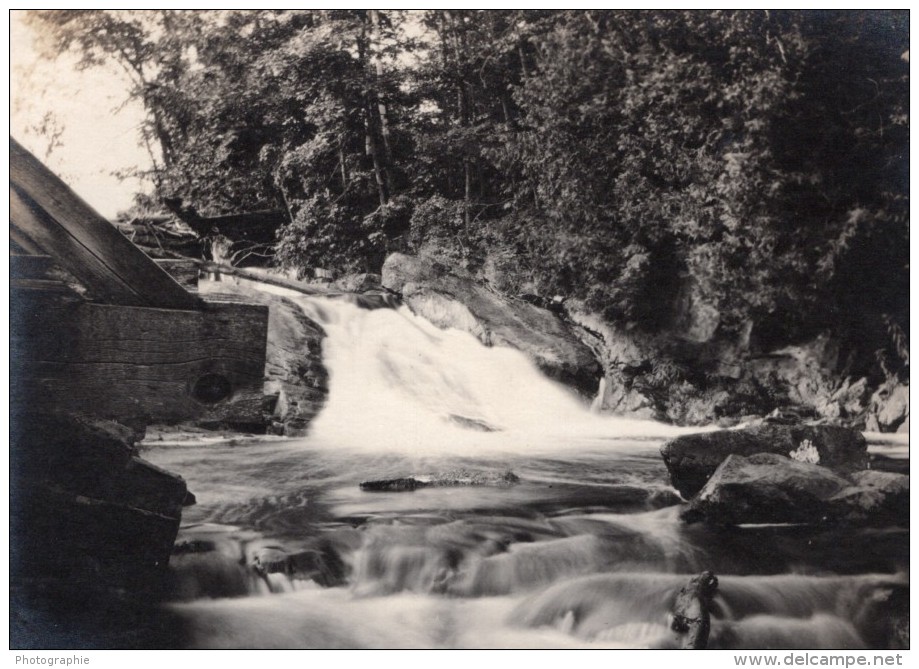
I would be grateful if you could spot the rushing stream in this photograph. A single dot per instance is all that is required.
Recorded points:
(284, 550)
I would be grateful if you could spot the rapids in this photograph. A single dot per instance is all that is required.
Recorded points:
(585, 551)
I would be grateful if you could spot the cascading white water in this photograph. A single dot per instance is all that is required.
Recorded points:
(397, 382)
(586, 550)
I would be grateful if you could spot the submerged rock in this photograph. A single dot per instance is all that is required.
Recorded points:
(392, 485)
(770, 488)
(322, 564)
(451, 298)
(468, 423)
(883, 617)
(692, 459)
(460, 477)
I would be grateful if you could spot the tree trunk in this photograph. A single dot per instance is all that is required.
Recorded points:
(506, 112)
(523, 63)
(342, 165)
(371, 146)
(464, 112)
(378, 66)
(375, 156)
(378, 123)
(467, 199)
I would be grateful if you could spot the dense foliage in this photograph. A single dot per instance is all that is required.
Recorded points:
(758, 160)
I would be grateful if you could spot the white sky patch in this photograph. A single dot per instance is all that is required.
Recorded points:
(99, 131)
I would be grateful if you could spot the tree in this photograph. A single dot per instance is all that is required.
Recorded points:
(756, 157)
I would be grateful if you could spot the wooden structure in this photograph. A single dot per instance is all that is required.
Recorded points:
(245, 239)
(97, 327)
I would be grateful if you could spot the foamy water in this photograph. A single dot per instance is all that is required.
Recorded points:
(398, 383)
(586, 551)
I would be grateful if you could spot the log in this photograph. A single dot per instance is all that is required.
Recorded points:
(271, 280)
(47, 212)
(691, 615)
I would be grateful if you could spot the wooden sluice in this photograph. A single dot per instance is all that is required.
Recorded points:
(99, 328)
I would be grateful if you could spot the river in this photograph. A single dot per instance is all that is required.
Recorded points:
(581, 547)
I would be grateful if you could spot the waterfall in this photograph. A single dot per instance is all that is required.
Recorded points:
(397, 382)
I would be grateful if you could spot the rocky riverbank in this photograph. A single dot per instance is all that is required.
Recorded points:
(451, 298)
(690, 372)
(112, 515)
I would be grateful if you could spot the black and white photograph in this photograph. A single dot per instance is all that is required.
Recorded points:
(450, 329)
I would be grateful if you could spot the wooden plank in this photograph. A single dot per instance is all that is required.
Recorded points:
(39, 284)
(139, 364)
(30, 266)
(184, 271)
(82, 263)
(119, 269)
(20, 243)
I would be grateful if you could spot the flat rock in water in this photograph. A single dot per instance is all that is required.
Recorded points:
(460, 477)
(392, 485)
(770, 488)
(468, 423)
(692, 459)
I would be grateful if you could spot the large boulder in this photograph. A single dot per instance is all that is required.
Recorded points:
(450, 298)
(770, 488)
(296, 380)
(85, 508)
(625, 358)
(874, 497)
(692, 459)
(765, 488)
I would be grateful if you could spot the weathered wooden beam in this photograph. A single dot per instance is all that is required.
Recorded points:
(137, 364)
(30, 266)
(184, 271)
(40, 284)
(83, 242)
(20, 243)
(86, 266)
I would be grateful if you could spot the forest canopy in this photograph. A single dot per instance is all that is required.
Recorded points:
(609, 156)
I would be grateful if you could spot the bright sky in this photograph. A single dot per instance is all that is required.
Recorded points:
(100, 135)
